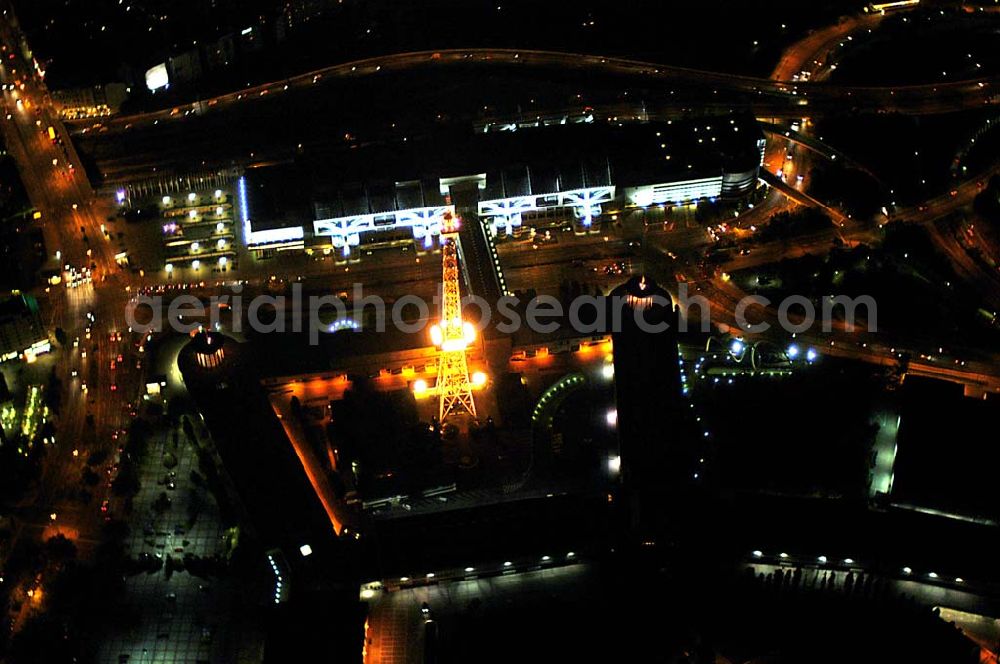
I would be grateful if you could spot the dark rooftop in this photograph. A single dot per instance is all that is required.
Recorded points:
(396, 176)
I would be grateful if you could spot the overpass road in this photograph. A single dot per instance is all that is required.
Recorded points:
(191, 136)
(778, 94)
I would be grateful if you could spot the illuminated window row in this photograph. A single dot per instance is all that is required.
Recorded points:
(677, 193)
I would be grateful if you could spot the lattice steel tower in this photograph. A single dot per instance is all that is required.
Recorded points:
(452, 335)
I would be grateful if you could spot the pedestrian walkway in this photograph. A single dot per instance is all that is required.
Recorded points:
(178, 617)
(397, 623)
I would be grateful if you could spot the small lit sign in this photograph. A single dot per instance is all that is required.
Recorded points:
(157, 77)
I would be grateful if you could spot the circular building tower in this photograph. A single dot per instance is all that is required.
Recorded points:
(208, 349)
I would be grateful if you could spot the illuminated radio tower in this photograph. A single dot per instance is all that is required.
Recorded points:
(452, 335)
